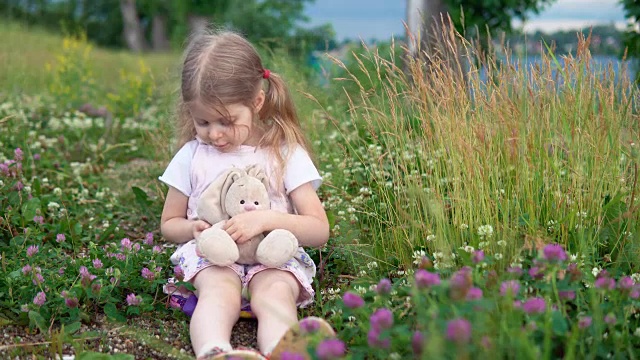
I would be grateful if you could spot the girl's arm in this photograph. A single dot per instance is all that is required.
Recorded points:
(309, 225)
(174, 224)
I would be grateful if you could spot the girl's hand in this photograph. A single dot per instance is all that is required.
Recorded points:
(243, 227)
(198, 226)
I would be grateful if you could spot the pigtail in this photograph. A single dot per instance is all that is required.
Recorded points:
(283, 125)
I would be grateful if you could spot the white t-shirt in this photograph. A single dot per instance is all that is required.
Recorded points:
(197, 164)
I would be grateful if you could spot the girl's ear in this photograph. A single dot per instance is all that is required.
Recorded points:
(258, 102)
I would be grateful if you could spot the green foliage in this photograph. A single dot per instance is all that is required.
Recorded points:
(491, 15)
(632, 37)
(471, 313)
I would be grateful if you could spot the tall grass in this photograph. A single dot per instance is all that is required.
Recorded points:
(492, 155)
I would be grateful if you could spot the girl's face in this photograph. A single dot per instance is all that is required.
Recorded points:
(227, 129)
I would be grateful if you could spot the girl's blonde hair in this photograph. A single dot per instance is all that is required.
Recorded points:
(223, 68)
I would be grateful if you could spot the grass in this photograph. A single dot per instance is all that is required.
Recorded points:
(430, 174)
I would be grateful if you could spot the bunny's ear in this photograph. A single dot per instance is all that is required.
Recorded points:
(211, 203)
(257, 172)
(231, 176)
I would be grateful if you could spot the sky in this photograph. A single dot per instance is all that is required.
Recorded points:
(380, 19)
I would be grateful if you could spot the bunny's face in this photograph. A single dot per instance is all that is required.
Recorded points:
(246, 194)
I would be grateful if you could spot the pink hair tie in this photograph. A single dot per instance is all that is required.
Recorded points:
(266, 73)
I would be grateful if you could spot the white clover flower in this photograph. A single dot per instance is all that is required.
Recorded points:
(485, 231)
(469, 249)
(483, 244)
(372, 265)
(418, 255)
(502, 243)
(464, 226)
(1, 183)
(635, 277)
(595, 271)
(27, 189)
(53, 206)
(498, 256)
(360, 289)
(431, 237)
(573, 257)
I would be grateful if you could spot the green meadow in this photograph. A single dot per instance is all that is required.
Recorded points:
(478, 209)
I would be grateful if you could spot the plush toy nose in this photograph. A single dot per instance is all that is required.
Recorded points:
(249, 207)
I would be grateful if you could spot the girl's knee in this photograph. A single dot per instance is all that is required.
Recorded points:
(217, 280)
(274, 285)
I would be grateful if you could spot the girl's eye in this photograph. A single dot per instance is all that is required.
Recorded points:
(256, 203)
(242, 202)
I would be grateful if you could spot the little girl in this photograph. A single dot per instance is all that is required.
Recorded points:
(234, 112)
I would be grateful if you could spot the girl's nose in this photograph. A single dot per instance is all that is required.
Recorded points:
(215, 134)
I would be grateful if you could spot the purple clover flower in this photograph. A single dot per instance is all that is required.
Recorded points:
(459, 330)
(352, 300)
(554, 252)
(60, 238)
(291, 356)
(309, 325)
(474, 294)
(19, 155)
(374, 340)
(178, 272)
(97, 263)
(40, 298)
(148, 274)
(133, 300)
(381, 319)
(330, 349)
(426, 279)
(26, 269)
(510, 287)
(32, 250)
(417, 342)
(383, 287)
(535, 305)
(567, 295)
(148, 239)
(625, 283)
(610, 319)
(125, 244)
(605, 283)
(478, 256)
(584, 322)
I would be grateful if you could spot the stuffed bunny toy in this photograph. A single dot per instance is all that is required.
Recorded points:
(234, 192)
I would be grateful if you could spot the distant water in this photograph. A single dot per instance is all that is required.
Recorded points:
(599, 64)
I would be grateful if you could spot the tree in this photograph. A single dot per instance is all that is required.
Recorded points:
(632, 35)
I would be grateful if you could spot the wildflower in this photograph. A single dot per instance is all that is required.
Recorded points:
(133, 300)
(584, 322)
(536, 273)
(38, 219)
(485, 231)
(178, 272)
(148, 239)
(510, 287)
(291, 356)
(36, 156)
(71, 302)
(309, 326)
(478, 256)
(605, 282)
(85, 276)
(330, 349)
(534, 305)
(60, 238)
(460, 283)
(515, 270)
(40, 298)
(26, 269)
(24, 308)
(625, 283)
(459, 330)
(374, 340)
(554, 252)
(425, 279)
(574, 272)
(18, 154)
(95, 287)
(148, 274)
(610, 319)
(567, 295)
(32, 250)
(97, 263)
(157, 249)
(384, 286)
(417, 342)
(474, 294)
(125, 244)
(352, 301)
(38, 279)
(381, 319)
